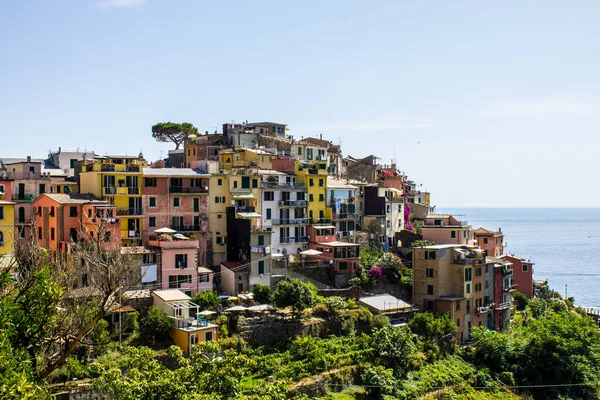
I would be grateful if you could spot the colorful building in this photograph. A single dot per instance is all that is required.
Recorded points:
(189, 327)
(342, 256)
(451, 279)
(7, 227)
(446, 229)
(219, 199)
(63, 220)
(314, 176)
(341, 198)
(503, 287)
(489, 241)
(119, 180)
(522, 278)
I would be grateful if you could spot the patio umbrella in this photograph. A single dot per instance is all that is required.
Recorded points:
(311, 252)
(236, 308)
(206, 313)
(165, 230)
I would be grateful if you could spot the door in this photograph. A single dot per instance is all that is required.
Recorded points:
(240, 287)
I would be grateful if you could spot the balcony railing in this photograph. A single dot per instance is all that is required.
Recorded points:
(467, 261)
(507, 271)
(344, 216)
(299, 239)
(132, 234)
(130, 211)
(190, 190)
(26, 176)
(187, 228)
(290, 221)
(293, 203)
(247, 209)
(121, 190)
(271, 185)
(317, 221)
(105, 221)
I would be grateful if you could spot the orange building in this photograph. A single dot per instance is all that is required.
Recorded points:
(65, 219)
(489, 241)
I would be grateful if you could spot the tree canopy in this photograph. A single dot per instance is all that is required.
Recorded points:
(173, 132)
(296, 294)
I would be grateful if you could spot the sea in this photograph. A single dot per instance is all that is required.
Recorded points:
(564, 244)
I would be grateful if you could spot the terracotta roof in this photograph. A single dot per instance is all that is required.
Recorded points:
(74, 198)
(315, 141)
(483, 231)
(231, 264)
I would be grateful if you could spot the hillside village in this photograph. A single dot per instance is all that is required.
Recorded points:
(228, 211)
(235, 212)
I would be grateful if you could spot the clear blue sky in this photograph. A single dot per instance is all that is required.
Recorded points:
(485, 103)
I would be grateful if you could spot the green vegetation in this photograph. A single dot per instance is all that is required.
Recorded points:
(173, 132)
(156, 324)
(296, 294)
(207, 300)
(262, 294)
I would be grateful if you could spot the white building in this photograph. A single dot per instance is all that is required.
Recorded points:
(283, 210)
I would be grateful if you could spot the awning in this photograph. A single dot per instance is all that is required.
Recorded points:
(245, 195)
(323, 226)
(248, 215)
(204, 270)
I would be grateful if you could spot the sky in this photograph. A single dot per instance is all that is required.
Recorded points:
(484, 103)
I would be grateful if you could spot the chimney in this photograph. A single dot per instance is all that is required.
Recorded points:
(500, 230)
(28, 159)
(321, 136)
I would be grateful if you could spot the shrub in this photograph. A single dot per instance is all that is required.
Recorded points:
(207, 300)
(380, 321)
(156, 324)
(262, 294)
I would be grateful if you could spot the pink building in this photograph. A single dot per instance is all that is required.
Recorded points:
(342, 256)
(522, 274)
(176, 198)
(179, 267)
(446, 229)
(490, 241)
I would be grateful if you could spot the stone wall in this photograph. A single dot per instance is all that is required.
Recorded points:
(269, 329)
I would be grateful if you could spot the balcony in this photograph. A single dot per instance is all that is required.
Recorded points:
(112, 167)
(507, 271)
(503, 306)
(317, 221)
(26, 176)
(187, 190)
(245, 209)
(132, 234)
(342, 216)
(175, 244)
(299, 239)
(289, 186)
(511, 288)
(106, 221)
(130, 211)
(293, 203)
(264, 250)
(290, 221)
(120, 191)
(187, 228)
(468, 261)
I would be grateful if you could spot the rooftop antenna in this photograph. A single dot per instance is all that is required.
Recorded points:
(161, 153)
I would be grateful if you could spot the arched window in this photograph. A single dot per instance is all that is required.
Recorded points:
(21, 214)
(193, 340)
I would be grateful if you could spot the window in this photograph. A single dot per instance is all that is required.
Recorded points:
(72, 211)
(261, 240)
(181, 260)
(525, 268)
(261, 267)
(1, 212)
(235, 184)
(430, 305)
(31, 170)
(106, 236)
(468, 306)
(196, 205)
(478, 287)
(321, 197)
(485, 240)
(468, 274)
(458, 305)
(175, 281)
(430, 272)
(321, 182)
(478, 271)
(299, 151)
(72, 163)
(42, 188)
(487, 284)
(429, 289)
(204, 278)
(175, 201)
(220, 182)
(51, 233)
(221, 240)
(193, 338)
(268, 214)
(486, 268)
(52, 211)
(458, 322)
(269, 196)
(343, 266)
(254, 183)
(311, 182)
(208, 336)
(453, 234)
(150, 182)
(468, 288)
(245, 182)
(311, 197)
(152, 201)
(152, 222)
(39, 232)
(430, 255)
(1, 238)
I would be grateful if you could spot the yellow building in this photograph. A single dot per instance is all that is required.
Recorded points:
(7, 227)
(314, 176)
(244, 157)
(219, 200)
(62, 186)
(118, 179)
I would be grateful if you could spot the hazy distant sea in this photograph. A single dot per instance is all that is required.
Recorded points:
(564, 244)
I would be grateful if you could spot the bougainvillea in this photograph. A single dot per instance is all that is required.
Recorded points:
(375, 272)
